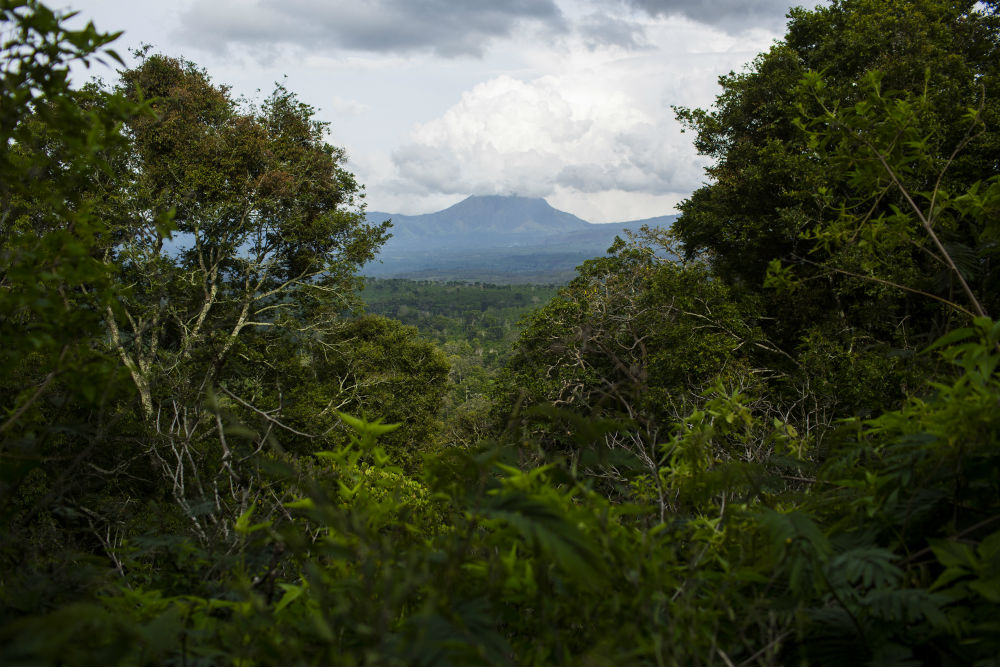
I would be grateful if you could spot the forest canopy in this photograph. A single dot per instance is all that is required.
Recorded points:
(768, 435)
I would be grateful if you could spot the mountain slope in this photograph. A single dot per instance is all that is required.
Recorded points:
(498, 239)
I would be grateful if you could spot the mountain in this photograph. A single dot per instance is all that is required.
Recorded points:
(499, 239)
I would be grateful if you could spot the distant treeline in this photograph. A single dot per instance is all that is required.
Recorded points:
(455, 310)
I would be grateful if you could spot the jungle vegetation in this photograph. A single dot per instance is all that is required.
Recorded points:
(768, 435)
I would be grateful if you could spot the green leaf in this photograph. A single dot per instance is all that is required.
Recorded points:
(950, 575)
(868, 566)
(789, 528)
(988, 588)
(349, 492)
(553, 533)
(363, 426)
(989, 548)
(954, 554)
(292, 593)
(949, 338)
(243, 522)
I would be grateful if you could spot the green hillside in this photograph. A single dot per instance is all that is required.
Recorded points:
(766, 435)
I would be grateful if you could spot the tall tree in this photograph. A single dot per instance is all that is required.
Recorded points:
(58, 384)
(267, 223)
(227, 219)
(51, 283)
(635, 342)
(770, 188)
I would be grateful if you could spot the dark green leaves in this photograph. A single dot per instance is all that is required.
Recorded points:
(550, 531)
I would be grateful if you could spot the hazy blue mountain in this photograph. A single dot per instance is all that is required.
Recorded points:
(497, 239)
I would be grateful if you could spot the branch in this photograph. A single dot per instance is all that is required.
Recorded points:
(888, 283)
(963, 533)
(266, 415)
(930, 230)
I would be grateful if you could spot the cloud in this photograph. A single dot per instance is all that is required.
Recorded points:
(402, 26)
(599, 30)
(507, 136)
(348, 106)
(447, 28)
(585, 105)
(729, 15)
(586, 123)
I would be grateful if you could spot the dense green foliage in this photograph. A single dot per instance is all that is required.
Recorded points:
(474, 324)
(482, 314)
(781, 450)
(799, 181)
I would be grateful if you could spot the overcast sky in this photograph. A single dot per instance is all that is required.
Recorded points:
(436, 100)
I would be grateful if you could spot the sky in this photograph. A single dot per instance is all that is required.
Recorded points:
(436, 100)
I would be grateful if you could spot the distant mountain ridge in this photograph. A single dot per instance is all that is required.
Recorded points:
(494, 238)
(492, 215)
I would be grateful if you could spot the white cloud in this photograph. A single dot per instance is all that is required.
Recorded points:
(590, 127)
(613, 205)
(511, 136)
(600, 126)
(348, 106)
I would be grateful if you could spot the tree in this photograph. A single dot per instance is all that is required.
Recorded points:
(147, 229)
(638, 341)
(51, 283)
(770, 188)
(58, 385)
(227, 219)
(296, 387)
(267, 222)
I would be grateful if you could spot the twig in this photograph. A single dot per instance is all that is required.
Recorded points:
(970, 529)
(889, 283)
(930, 231)
(766, 648)
(267, 416)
